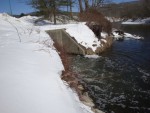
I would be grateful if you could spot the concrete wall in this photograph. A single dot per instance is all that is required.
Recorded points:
(66, 42)
(70, 45)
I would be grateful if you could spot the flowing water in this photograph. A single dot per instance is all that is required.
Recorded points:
(119, 80)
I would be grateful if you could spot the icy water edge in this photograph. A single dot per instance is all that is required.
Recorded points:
(119, 80)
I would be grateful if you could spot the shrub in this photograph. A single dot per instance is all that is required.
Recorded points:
(92, 15)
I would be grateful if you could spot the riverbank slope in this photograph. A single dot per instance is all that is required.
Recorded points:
(30, 71)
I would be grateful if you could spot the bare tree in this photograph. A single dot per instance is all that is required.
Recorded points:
(50, 8)
(70, 4)
(86, 4)
(100, 2)
(93, 2)
(93, 16)
(80, 5)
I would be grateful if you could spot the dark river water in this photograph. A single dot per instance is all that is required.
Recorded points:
(119, 80)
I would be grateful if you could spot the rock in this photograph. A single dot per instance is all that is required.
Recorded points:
(99, 50)
(90, 104)
(105, 45)
(80, 87)
(94, 45)
(87, 100)
(97, 110)
(109, 41)
(89, 51)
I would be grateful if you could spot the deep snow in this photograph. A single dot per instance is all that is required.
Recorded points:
(30, 70)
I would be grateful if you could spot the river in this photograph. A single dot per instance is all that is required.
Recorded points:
(119, 80)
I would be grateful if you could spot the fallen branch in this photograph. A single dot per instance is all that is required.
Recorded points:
(16, 30)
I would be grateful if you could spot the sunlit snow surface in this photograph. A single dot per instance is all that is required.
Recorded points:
(30, 70)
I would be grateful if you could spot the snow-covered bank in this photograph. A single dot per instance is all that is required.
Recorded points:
(113, 19)
(30, 71)
(137, 21)
(81, 33)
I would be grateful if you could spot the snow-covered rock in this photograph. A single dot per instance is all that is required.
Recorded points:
(128, 35)
(117, 36)
(120, 35)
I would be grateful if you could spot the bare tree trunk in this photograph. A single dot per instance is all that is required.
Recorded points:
(93, 2)
(80, 5)
(146, 7)
(70, 3)
(54, 17)
(86, 4)
(10, 7)
(54, 13)
(67, 5)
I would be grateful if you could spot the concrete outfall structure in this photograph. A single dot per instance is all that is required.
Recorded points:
(71, 46)
(67, 42)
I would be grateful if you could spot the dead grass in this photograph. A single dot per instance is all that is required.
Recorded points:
(68, 75)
